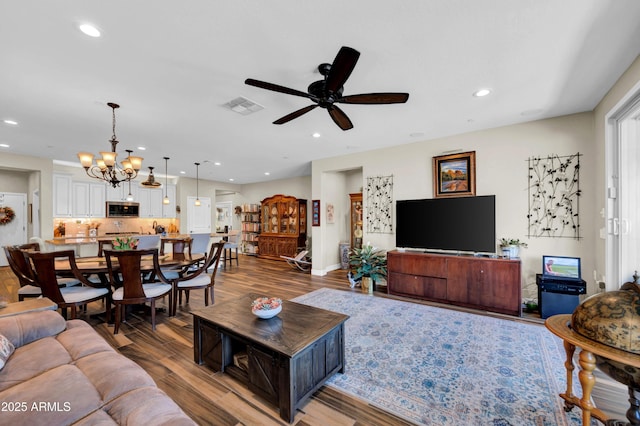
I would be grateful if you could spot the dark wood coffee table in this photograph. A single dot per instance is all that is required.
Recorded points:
(283, 359)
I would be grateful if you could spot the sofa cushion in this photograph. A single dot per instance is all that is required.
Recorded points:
(147, 406)
(80, 340)
(28, 327)
(32, 360)
(59, 396)
(6, 349)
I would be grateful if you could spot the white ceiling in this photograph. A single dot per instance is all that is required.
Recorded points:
(171, 65)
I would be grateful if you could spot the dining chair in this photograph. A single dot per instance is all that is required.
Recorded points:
(104, 245)
(146, 242)
(198, 278)
(128, 263)
(38, 246)
(21, 269)
(231, 248)
(179, 247)
(200, 246)
(44, 271)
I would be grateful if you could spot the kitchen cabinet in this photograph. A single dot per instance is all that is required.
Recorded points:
(169, 210)
(88, 199)
(150, 202)
(120, 193)
(62, 195)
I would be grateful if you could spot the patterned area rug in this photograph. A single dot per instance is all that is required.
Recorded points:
(437, 366)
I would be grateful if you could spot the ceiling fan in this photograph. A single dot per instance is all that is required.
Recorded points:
(327, 92)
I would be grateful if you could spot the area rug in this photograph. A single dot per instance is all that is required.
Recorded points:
(436, 366)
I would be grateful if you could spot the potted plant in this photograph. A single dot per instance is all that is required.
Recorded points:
(511, 247)
(369, 265)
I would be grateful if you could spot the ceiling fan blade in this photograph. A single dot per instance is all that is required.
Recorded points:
(277, 88)
(375, 98)
(341, 68)
(340, 118)
(294, 114)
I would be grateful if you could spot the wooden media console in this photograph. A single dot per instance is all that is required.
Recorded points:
(489, 284)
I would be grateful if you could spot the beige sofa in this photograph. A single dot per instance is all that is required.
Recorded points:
(63, 373)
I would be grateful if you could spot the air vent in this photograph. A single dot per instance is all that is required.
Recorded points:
(243, 106)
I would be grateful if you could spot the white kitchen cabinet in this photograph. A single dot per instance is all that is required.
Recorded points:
(120, 193)
(62, 195)
(88, 199)
(169, 210)
(150, 202)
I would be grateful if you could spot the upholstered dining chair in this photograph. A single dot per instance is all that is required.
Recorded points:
(231, 248)
(200, 245)
(21, 269)
(66, 297)
(133, 291)
(198, 278)
(38, 246)
(104, 245)
(146, 242)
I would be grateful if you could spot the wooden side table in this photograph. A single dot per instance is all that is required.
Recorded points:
(560, 326)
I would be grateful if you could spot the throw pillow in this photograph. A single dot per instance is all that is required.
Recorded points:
(6, 349)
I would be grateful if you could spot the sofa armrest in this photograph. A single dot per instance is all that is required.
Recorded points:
(30, 305)
(25, 328)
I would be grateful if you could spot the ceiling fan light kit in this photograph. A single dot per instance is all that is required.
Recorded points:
(328, 92)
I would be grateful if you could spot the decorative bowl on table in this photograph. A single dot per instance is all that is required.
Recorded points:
(266, 307)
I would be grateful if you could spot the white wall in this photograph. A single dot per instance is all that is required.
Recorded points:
(501, 169)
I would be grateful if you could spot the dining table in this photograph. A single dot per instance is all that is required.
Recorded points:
(97, 265)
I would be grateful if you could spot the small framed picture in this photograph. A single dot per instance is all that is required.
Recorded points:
(330, 213)
(454, 175)
(315, 213)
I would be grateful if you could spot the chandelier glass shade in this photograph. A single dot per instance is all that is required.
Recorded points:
(197, 202)
(106, 168)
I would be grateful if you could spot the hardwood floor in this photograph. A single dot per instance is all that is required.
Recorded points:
(217, 399)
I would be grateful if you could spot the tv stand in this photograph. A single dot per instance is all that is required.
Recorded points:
(474, 282)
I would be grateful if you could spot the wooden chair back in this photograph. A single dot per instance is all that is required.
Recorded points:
(44, 269)
(29, 246)
(104, 245)
(180, 247)
(19, 264)
(130, 270)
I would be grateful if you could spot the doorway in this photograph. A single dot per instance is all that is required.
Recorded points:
(224, 220)
(14, 232)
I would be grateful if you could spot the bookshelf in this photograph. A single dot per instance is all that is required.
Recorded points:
(250, 228)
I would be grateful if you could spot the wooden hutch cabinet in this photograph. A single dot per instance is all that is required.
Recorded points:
(283, 226)
(356, 220)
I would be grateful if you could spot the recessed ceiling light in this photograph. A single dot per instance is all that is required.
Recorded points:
(11, 122)
(316, 135)
(217, 163)
(142, 148)
(4, 145)
(231, 179)
(482, 92)
(267, 173)
(182, 172)
(90, 30)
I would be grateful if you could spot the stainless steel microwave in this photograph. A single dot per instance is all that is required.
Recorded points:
(123, 209)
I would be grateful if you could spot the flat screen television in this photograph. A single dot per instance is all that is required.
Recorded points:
(463, 224)
(566, 268)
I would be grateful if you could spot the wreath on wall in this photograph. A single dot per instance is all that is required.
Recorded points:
(6, 215)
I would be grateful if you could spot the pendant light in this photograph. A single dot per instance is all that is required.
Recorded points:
(129, 197)
(166, 200)
(197, 202)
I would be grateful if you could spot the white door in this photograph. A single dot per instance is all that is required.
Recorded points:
(14, 232)
(198, 217)
(623, 193)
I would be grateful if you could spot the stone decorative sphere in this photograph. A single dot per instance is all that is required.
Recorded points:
(613, 319)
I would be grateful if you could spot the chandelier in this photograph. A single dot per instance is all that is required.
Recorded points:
(106, 168)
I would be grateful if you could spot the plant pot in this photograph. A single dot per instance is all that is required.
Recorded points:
(367, 285)
(512, 252)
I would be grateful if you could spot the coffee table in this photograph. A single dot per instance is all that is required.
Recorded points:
(283, 359)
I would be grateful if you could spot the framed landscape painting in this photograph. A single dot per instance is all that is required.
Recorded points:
(454, 175)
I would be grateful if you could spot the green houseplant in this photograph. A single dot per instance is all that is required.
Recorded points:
(369, 265)
(511, 247)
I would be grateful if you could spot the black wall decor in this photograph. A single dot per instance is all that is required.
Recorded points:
(379, 206)
(554, 194)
